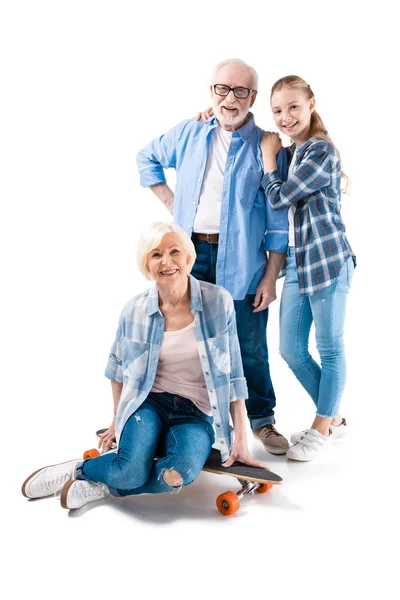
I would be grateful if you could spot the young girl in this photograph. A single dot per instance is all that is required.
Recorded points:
(320, 261)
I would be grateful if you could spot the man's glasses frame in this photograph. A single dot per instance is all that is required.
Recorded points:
(242, 96)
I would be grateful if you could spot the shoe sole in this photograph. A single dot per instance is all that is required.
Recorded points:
(277, 451)
(27, 480)
(64, 494)
(272, 449)
(300, 459)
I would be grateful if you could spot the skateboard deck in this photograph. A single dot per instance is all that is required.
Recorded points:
(252, 479)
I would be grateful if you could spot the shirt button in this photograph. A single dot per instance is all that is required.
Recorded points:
(218, 425)
(199, 181)
(214, 408)
(207, 373)
(211, 391)
(202, 356)
(194, 203)
(199, 339)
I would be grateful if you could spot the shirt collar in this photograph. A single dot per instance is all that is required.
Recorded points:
(244, 131)
(303, 147)
(195, 297)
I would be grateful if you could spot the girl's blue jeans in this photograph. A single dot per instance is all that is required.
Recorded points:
(165, 425)
(326, 309)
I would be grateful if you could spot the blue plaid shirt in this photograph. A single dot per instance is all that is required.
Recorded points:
(321, 245)
(248, 225)
(134, 355)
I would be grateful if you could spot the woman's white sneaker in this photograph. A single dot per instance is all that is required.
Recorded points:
(309, 445)
(49, 480)
(79, 492)
(296, 437)
(338, 431)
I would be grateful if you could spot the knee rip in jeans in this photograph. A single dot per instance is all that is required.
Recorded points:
(172, 478)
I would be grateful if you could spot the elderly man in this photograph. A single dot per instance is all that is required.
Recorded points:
(218, 201)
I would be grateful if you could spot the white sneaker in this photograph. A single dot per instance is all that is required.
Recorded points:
(79, 492)
(338, 431)
(310, 444)
(49, 480)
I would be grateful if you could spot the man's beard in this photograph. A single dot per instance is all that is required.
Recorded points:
(225, 119)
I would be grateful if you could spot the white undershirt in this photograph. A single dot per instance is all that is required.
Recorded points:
(209, 208)
(292, 209)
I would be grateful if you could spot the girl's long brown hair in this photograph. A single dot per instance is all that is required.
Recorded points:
(317, 127)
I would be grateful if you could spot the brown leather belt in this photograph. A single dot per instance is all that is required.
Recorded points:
(211, 238)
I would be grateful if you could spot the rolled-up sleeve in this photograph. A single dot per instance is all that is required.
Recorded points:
(238, 385)
(277, 234)
(114, 365)
(160, 154)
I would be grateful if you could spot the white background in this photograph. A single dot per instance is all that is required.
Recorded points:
(85, 85)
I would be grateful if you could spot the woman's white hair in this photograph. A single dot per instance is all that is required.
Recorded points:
(236, 61)
(152, 236)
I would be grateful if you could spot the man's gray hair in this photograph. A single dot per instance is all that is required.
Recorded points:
(236, 61)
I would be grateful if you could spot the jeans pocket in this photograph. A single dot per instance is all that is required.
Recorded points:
(345, 276)
(350, 270)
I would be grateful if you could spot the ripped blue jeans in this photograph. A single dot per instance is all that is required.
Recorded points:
(326, 308)
(165, 425)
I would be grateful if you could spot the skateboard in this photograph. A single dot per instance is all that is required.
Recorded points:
(251, 479)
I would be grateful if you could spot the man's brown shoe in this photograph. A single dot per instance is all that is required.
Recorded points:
(272, 440)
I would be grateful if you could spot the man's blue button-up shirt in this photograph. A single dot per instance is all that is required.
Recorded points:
(248, 225)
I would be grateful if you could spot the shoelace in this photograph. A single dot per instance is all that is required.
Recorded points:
(88, 490)
(269, 430)
(59, 481)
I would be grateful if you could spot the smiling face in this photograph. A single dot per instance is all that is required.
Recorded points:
(232, 112)
(169, 262)
(292, 113)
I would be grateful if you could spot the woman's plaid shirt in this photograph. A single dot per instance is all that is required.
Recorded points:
(134, 355)
(321, 245)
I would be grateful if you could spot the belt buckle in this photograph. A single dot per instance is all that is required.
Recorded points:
(209, 238)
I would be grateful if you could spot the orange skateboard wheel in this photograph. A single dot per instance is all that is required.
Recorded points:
(228, 503)
(264, 488)
(93, 453)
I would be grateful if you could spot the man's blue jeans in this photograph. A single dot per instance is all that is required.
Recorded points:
(252, 331)
(327, 309)
(165, 425)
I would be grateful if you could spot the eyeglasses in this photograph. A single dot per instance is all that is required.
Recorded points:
(238, 92)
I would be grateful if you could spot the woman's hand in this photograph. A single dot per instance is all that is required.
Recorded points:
(207, 114)
(241, 453)
(107, 438)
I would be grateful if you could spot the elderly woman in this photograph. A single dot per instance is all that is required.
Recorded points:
(175, 371)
